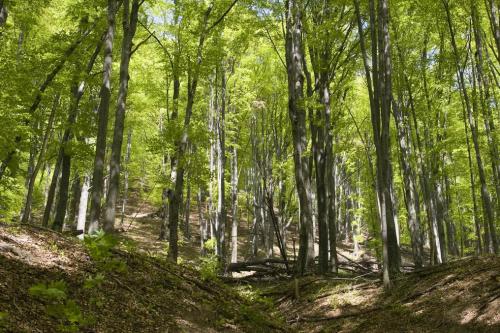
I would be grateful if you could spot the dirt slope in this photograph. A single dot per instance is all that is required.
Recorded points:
(129, 292)
(461, 296)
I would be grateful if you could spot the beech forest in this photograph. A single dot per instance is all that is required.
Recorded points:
(249, 165)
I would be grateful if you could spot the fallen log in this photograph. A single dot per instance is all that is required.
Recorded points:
(254, 265)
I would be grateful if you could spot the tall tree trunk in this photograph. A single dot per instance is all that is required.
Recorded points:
(320, 158)
(425, 174)
(234, 204)
(125, 178)
(187, 210)
(220, 221)
(31, 183)
(181, 145)
(129, 29)
(82, 207)
(381, 121)
(173, 118)
(492, 244)
(212, 153)
(52, 190)
(76, 190)
(102, 121)
(203, 222)
(410, 187)
(4, 13)
(78, 90)
(492, 11)
(297, 114)
(486, 103)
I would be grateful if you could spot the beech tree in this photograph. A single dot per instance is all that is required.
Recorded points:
(281, 132)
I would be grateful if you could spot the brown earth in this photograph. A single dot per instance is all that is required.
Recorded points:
(150, 295)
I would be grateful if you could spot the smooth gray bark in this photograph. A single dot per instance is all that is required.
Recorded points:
(125, 176)
(102, 121)
(130, 18)
(297, 114)
(33, 174)
(4, 13)
(490, 236)
(77, 90)
(82, 207)
(234, 204)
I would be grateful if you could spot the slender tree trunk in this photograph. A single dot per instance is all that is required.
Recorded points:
(187, 210)
(203, 222)
(76, 190)
(181, 146)
(52, 190)
(381, 121)
(486, 102)
(125, 178)
(212, 153)
(31, 183)
(82, 207)
(63, 193)
(4, 13)
(297, 113)
(411, 192)
(234, 204)
(78, 91)
(425, 174)
(102, 121)
(129, 29)
(490, 243)
(494, 23)
(220, 222)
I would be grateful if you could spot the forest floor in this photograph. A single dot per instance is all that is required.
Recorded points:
(52, 282)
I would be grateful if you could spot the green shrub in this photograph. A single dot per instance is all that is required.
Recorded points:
(3, 319)
(57, 305)
(100, 246)
(209, 267)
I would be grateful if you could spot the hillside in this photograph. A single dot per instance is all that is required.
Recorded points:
(119, 291)
(112, 287)
(461, 296)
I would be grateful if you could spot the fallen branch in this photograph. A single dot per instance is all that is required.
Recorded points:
(340, 316)
(354, 263)
(256, 265)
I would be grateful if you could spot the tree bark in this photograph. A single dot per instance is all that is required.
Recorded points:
(181, 145)
(4, 13)
(31, 183)
(82, 207)
(187, 210)
(381, 121)
(125, 178)
(102, 121)
(234, 204)
(52, 190)
(78, 90)
(297, 114)
(220, 221)
(490, 238)
(483, 83)
(410, 187)
(129, 29)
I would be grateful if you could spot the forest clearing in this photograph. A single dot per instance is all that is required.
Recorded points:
(249, 166)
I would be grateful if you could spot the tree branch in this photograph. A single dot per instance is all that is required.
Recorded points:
(223, 16)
